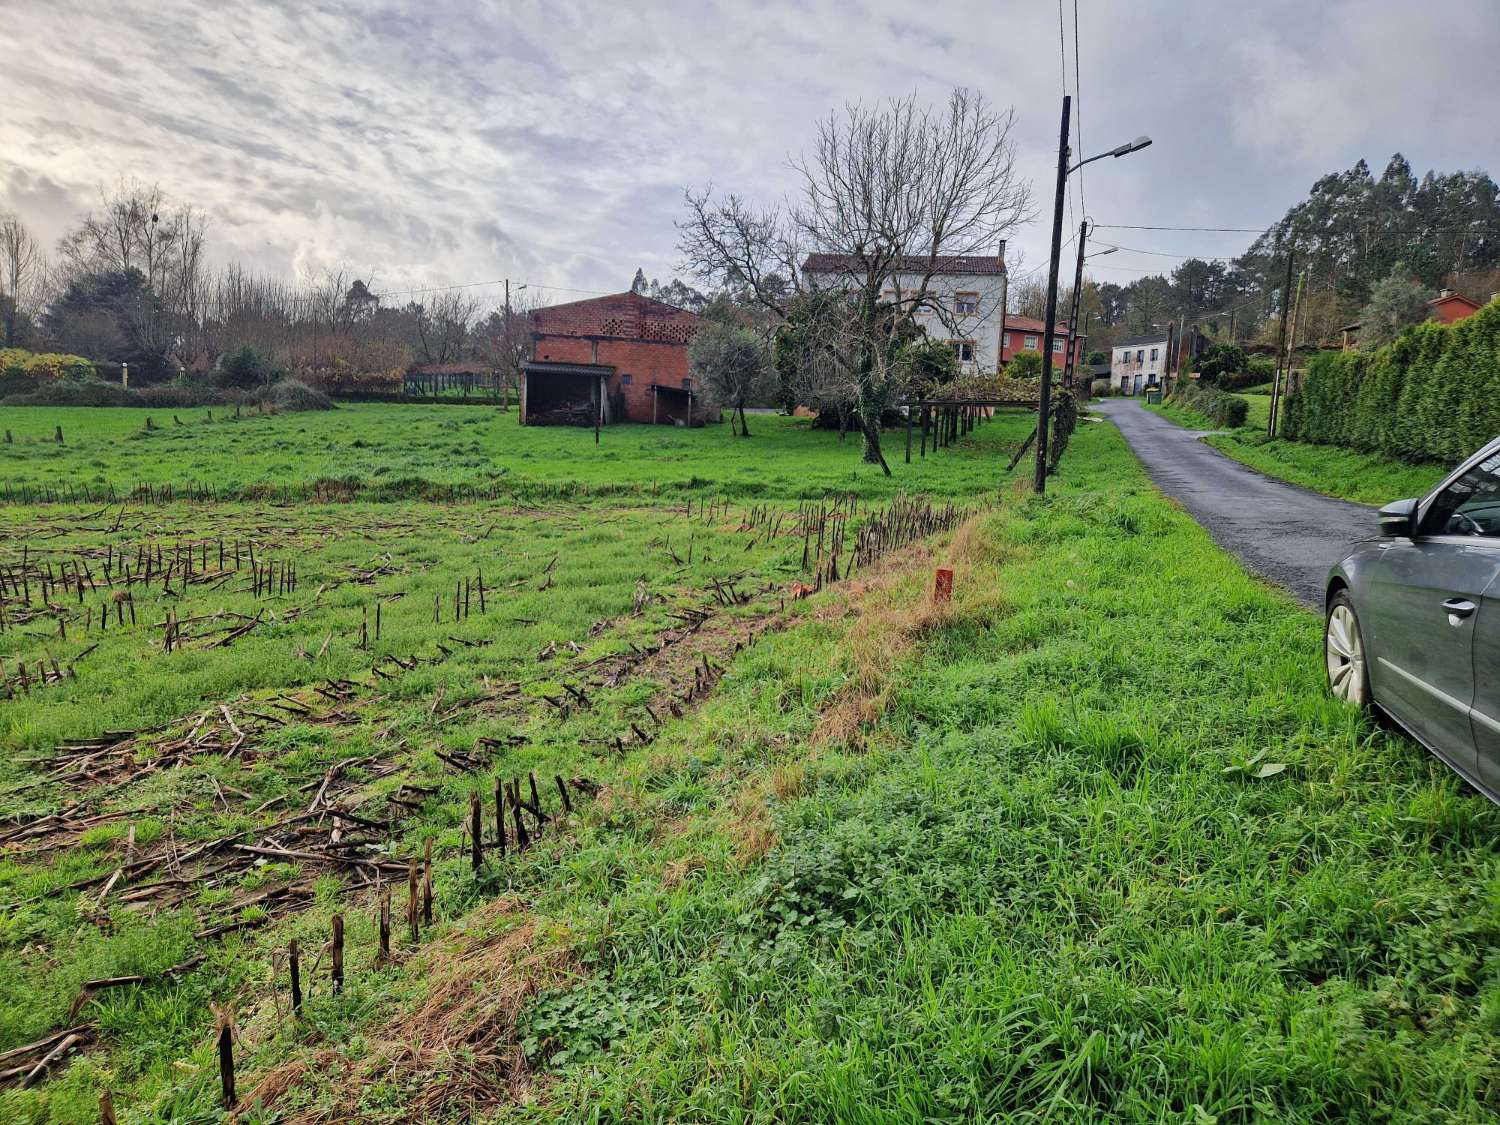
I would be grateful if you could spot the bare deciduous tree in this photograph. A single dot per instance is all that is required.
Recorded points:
(21, 267)
(890, 189)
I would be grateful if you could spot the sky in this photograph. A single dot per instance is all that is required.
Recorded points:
(452, 141)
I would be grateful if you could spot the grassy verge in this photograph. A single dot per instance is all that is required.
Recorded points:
(1108, 853)
(1365, 478)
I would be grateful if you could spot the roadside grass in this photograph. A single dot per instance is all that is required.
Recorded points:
(1109, 854)
(399, 448)
(1365, 478)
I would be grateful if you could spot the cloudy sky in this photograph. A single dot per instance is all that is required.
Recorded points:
(426, 142)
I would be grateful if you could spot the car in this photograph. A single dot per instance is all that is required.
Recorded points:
(1412, 622)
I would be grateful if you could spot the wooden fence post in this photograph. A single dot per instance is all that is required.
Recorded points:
(411, 899)
(427, 883)
(296, 968)
(476, 833)
(225, 1025)
(338, 954)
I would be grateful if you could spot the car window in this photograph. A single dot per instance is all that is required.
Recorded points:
(1470, 505)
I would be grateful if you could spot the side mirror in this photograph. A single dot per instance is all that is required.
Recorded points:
(1398, 518)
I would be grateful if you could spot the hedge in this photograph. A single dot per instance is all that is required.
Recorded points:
(1225, 410)
(1431, 395)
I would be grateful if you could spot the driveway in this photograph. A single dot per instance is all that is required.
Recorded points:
(1281, 532)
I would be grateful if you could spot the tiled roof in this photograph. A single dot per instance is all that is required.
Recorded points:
(1027, 324)
(949, 264)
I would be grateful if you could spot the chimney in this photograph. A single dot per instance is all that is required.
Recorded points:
(1495, 296)
(1445, 293)
(1002, 253)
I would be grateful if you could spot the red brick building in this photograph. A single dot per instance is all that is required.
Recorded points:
(622, 358)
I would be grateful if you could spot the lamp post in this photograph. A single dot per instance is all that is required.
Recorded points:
(1044, 399)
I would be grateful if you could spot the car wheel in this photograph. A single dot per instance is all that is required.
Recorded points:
(1344, 653)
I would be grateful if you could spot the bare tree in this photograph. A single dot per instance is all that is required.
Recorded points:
(21, 269)
(442, 324)
(889, 189)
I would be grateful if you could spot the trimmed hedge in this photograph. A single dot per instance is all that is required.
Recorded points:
(1224, 410)
(1431, 395)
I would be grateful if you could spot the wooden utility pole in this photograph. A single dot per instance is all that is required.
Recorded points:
(1083, 234)
(1291, 350)
(1286, 294)
(1044, 398)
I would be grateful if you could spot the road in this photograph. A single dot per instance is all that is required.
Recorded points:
(1280, 531)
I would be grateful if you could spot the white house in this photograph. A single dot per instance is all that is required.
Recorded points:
(970, 288)
(1138, 362)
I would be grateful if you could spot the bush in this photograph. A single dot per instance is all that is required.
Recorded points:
(1431, 395)
(291, 395)
(1101, 388)
(20, 369)
(73, 392)
(246, 367)
(1224, 410)
(1221, 361)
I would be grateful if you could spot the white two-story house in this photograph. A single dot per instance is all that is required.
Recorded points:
(1137, 363)
(970, 288)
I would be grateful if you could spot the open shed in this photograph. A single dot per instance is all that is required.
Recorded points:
(566, 394)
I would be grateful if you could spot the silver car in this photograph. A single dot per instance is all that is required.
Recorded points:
(1413, 620)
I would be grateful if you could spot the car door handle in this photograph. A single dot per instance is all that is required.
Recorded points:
(1459, 608)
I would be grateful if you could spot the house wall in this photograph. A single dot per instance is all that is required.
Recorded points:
(1125, 371)
(1018, 330)
(981, 328)
(645, 341)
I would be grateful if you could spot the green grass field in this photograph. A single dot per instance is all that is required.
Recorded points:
(1089, 844)
(391, 449)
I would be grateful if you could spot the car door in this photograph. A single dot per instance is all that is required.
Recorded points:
(1425, 602)
(1485, 715)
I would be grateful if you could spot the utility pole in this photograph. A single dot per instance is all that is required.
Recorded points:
(1044, 398)
(1286, 294)
(1004, 302)
(1291, 350)
(1083, 234)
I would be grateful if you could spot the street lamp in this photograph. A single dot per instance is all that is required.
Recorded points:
(1044, 403)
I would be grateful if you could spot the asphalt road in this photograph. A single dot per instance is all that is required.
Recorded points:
(1279, 531)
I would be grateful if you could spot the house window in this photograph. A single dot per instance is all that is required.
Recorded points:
(687, 384)
(965, 303)
(1057, 344)
(1153, 355)
(1008, 341)
(1032, 344)
(1139, 355)
(964, 350)
(624, 380)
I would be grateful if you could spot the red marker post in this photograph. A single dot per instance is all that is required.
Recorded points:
(942, 590)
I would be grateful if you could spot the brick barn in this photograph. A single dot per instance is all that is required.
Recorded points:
(621, 358)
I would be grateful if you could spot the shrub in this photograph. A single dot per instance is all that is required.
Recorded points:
(1100, 388)
(1431, 394)
(246, 367)
(1025, 365)
(20, 366)
(73, 392)
(1224, 410)
(1221, 361)
(291, 395)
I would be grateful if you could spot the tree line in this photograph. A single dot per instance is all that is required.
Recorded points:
(131, 283)
(1358, 243)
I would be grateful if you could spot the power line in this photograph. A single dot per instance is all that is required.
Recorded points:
(1078, 109)
(1266, 230)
